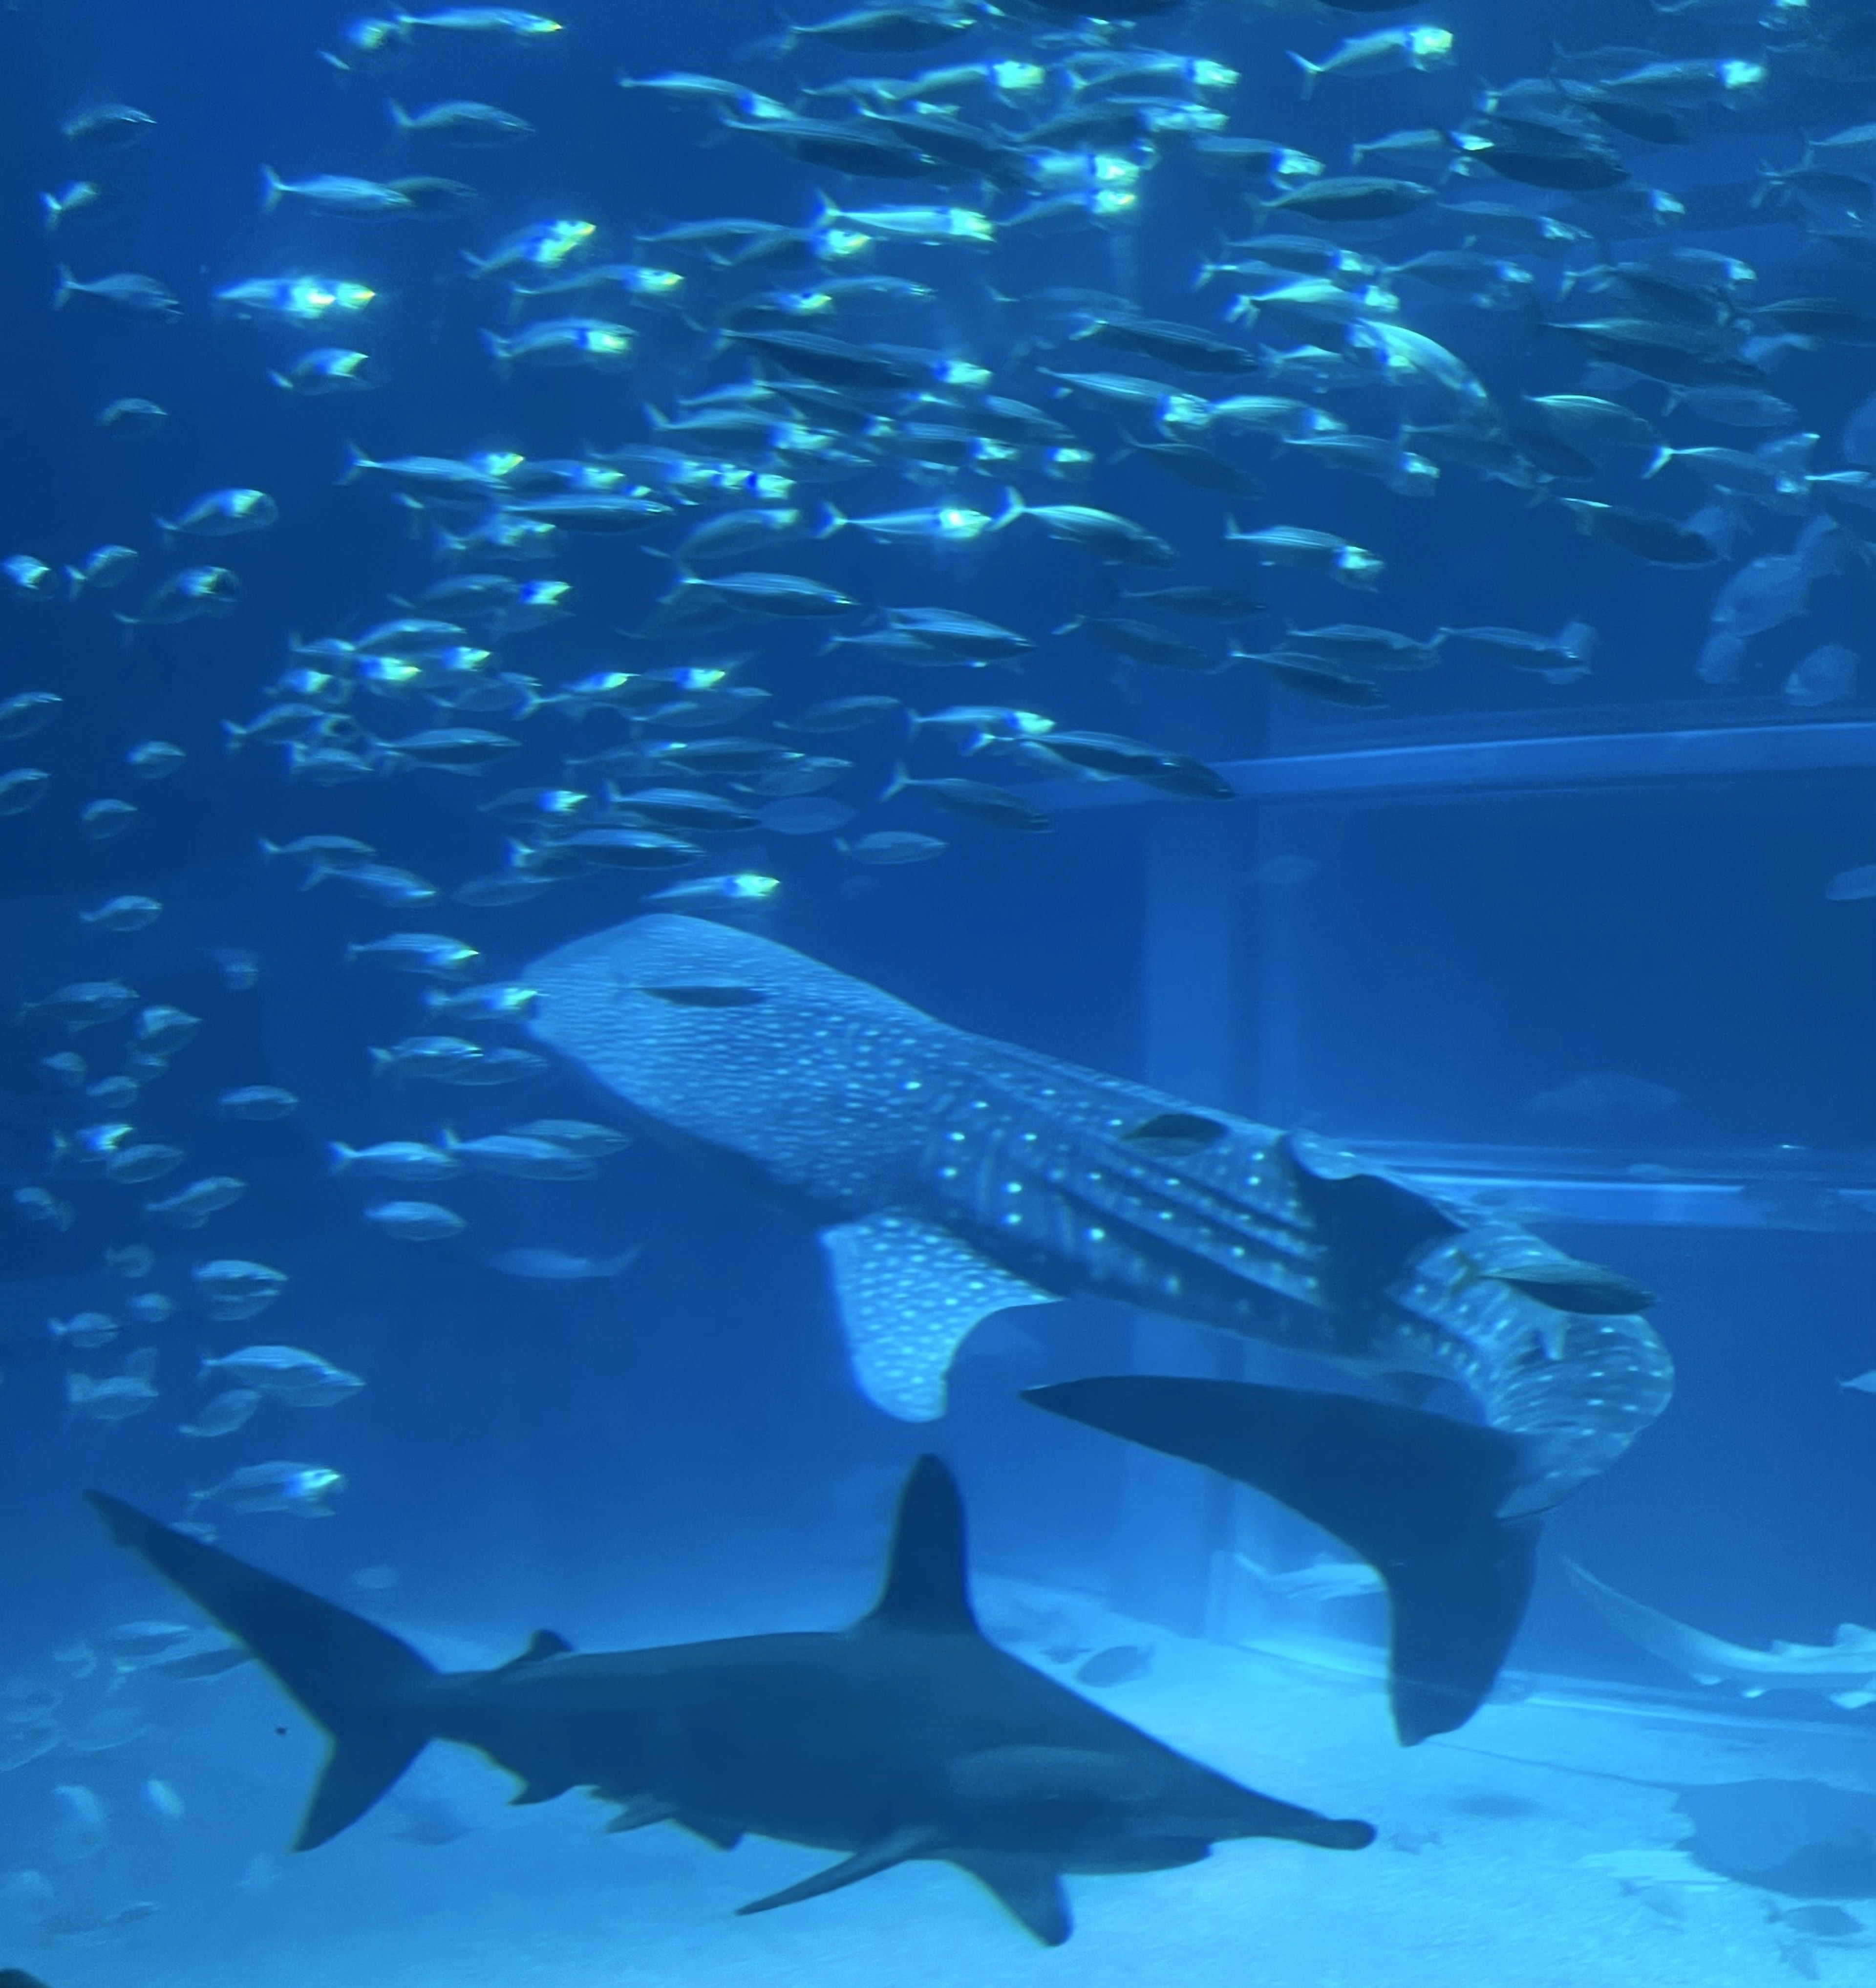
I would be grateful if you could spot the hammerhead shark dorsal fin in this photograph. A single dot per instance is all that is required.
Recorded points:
(927, 1577)
(909, 1295)
(1416, 1495)
(1028, 1889)
(543, 1644)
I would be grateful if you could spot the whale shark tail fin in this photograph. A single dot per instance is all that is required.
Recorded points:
(1415, 1495)
(364, 1686)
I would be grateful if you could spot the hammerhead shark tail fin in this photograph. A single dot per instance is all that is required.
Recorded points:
(1416, 1495)
(927, 1573)
(364, 1686)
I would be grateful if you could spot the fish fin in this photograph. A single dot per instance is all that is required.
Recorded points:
(641, 1813)
(1415, 1495)
(1309, 70)
(909, 1294)
(1706, 1659)
(1854, 1701)
(543, 1644)
(272, 188)
(1028, 1889)
(364, 1685)
(915, 1840)
(928, 1572)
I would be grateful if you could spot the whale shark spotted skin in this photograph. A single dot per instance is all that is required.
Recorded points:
(951, 1176)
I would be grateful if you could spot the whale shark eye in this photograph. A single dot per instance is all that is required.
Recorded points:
(708, 994)
(1178, 1132)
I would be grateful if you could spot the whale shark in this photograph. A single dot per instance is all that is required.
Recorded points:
(951, 1176)
(905, 1736)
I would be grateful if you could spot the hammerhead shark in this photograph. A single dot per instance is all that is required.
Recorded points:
(951, 1176)
(907, 1736)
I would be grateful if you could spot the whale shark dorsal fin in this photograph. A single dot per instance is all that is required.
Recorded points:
(543, 1644)
(928, 1571)
(909, 1294)
(1026, 1888)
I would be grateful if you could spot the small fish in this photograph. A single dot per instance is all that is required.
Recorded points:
(233, 1290)
(460, 124)
(101, 819)
(118, 1398)
(191, 1206)
(155, 759)
(131, 418)
(28, 711)
(526, 1156)
(417, 952)
(743, 888)
(23, 788)
(407, 1160)
(557, 1267)
(257, 1104)
(306, 1490)
(976, 800)
(78, 197)
(127, 295)
(112, 127)
(325, 370)
(223, 514)
(415, 1221)
(888, 847)
(335, 193)
(223, 1415)
(289, 1374)
(100, 570)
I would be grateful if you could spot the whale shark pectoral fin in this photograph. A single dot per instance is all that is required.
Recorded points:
(909, 1294)
(1415, 1495)
(915, 1840)
(1027, 1888)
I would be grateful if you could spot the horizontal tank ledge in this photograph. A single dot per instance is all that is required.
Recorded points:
(1809, 1206)
(1718, 750)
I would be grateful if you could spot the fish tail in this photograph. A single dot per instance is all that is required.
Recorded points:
(273, 189)
(1311, 72)
(400, 117)
(52, 210)
(356, 463)
(897, 782)
(63, 287)
(370, 1691)
(833, 518)
(1658, 460)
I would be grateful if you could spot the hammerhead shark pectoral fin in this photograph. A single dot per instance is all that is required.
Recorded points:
(1416, 1495)
(918, 1840)
(1028, 1889)
(909, 1294)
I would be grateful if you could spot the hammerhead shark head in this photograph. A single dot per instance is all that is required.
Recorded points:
(951, 1176)
(907, 1736)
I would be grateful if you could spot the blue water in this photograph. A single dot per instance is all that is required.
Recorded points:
(1436, 928)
